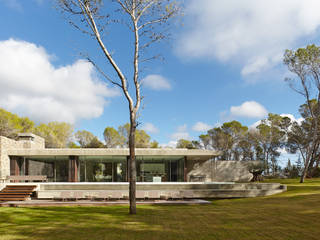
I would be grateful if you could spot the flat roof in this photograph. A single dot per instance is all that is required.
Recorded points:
(194, 154)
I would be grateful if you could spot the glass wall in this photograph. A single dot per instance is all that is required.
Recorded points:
(160, 169)
(104, 168)
(54, 167)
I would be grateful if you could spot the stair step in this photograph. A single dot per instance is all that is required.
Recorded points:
(16, 193)
(6, 197)
(9, 190)
(12, 199)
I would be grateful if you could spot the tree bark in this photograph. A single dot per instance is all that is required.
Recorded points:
(132, 167)
(305, 171)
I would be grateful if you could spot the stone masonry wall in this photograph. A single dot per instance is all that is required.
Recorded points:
(6, 143)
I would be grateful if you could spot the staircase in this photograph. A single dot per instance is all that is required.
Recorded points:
(16, 192)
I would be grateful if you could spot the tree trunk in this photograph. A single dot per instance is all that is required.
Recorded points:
(305, 171)
(303, 175)
(132, 166)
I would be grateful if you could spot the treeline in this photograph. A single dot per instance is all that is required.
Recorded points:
(265, 142)
(61, 134)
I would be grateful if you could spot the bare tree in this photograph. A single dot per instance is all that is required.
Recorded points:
(147, 21)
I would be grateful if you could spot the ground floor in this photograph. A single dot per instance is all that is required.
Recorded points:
(99, 168)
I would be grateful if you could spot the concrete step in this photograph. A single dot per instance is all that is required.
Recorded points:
(158, 194)
(162, 186)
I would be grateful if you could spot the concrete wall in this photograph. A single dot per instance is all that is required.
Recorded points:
(157, 190)
(218, 171)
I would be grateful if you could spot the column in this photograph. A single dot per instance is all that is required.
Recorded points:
(185, 179)
(14, 166)
(73, 169)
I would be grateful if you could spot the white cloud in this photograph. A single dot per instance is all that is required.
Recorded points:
(255, 125)
(181, 133)
(170, 144)
(30, 85)
(201, 127)
(250, 32)
(249, 109)
(150, 128)
(156, 82)
(292, 118)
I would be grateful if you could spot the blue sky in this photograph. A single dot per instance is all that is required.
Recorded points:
(223, 63)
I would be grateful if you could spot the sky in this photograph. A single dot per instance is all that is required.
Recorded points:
(222, 63)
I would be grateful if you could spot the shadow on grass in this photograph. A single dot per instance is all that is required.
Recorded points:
(290, 215)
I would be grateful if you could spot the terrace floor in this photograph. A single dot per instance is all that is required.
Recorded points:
(52, 203)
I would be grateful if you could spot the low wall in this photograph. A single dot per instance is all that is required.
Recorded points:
(157, 190)
(218, 171)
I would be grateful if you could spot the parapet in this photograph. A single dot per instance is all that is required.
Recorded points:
(24, 141)
(31, 140)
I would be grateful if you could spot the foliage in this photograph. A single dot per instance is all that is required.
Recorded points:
(225, 139)
(142, 139)
(305, 64)
(154, 144)
(95, 143)
(271, 137)
(113, 138)
(183, 143)
(291, 170)
(11, 124)
(56, 134)
(84, 138)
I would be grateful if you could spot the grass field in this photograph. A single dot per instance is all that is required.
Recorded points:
(294, 215)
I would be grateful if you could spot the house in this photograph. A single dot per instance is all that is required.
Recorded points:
(87, 173)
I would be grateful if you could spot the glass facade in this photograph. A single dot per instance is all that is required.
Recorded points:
(160, 169)
(101, 168)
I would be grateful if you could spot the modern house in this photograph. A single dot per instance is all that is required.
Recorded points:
(103, 173)
(28, 156)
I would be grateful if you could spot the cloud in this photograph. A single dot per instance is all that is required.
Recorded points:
(249, 109)
(156, 82)
(30, 85)
(250, 32)
(181, 133)
(170, 144)
(150, 128)
(292, 118)
(201, 127)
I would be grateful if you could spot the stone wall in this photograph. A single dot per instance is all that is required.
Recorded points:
(218, 171)
(36, 142)
(5, 144)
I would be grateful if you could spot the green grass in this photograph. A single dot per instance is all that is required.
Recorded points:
(292, 215)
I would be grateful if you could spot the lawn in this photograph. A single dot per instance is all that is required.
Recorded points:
(292, 215)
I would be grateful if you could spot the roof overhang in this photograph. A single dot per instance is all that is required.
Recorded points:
(191, 154)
